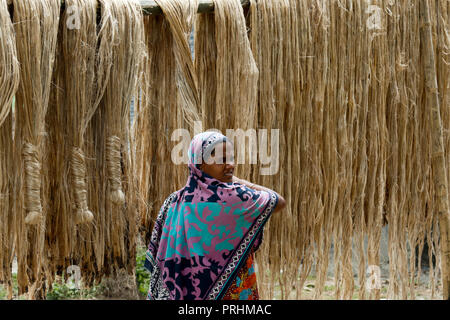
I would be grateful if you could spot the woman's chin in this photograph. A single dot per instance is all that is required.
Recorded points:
(227, 179)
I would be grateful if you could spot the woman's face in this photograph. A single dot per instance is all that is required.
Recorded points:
(217, 165)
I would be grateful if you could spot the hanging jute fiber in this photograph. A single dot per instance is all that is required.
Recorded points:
(180, 16)
(358, 153)
(36, 25)
(83, 95)
(111, 183)
(76, 64)
(152, 126)
(285, 77)
(359, 91)
(438, 157)
(168, 100)
(6, 204)
(442, 58)
(84, 53)
(9, 81)
(225, 66)
(355, 138)
(9, 66)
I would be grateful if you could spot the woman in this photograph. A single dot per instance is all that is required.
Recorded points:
(204, 237)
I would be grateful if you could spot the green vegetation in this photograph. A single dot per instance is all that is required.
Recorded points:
(142, 274)
(64, 291)
(4, 293)
(329, 288)
(67, 291)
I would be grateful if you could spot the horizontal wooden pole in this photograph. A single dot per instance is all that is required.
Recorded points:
(151, 7)
(204, 6)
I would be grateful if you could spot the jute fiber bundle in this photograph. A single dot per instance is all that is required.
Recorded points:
(359, 119)
(59, 227)
(323, 227)
(351, 85)
(442, 47)
(359, 150)
(373, 138)
(396, 174)
(205, 67)
(91, 69)
(36, 41)
(293, 97)
(169, 100)
(342, 62)
(125, 74)
(156, 102)
(36, 25)
(111, 185)
(438, 157)
(359, 100)
(180, 16)
(9, 82)
(411, 204)
(310, 41)
(7, 221)
(9, 66)
(279, 87)
(442, 29)
(84, 53)
(227, 74)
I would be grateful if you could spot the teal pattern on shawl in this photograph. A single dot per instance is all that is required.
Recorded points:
(182, 218)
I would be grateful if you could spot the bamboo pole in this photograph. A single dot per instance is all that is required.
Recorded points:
(204, 6)
(438, 158)
(151, 7)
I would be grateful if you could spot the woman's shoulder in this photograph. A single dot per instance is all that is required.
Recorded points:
(171, 198)
(165, 206)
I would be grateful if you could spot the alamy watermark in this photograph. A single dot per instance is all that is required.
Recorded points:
(75, 276)
(73, 18)
(258, 147)
(374, 280)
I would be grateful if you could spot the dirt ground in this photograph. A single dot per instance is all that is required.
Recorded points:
(423, 291)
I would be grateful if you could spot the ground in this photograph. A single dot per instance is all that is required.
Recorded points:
(423, 291)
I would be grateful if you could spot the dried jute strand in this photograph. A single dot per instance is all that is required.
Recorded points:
(114, 170)
(33, 204)
(9, 82)
(181, 25)
(78, 172)
(79, 47)
(36, 28)
(9, 65)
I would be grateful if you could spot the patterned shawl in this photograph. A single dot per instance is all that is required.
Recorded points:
(204, 232)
